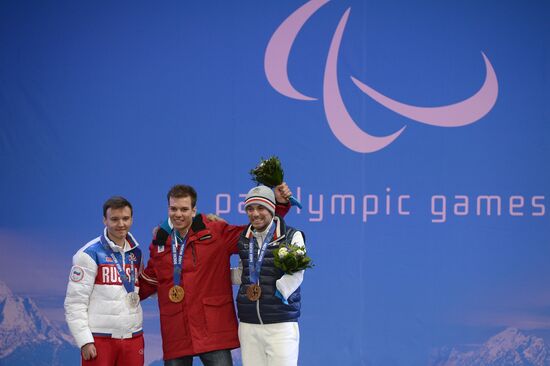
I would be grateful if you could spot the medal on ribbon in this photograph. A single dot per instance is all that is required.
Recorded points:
(176, 292)
(132, 298)
(254, 291)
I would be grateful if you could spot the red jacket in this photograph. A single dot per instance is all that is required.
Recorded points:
(205, 320)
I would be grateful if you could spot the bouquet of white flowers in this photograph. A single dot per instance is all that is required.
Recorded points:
(291, 258)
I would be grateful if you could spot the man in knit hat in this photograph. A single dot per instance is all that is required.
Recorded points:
(268, 301)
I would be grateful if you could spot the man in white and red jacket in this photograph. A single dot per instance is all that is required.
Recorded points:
(189, 269)
(102, 305)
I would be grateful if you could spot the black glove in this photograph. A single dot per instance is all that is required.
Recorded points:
(161, 237)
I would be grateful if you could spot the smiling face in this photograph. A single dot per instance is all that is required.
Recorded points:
(181, 212)
(118, 222)
(259, 216)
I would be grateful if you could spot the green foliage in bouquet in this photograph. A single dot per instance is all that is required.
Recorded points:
(268, 172)
(291, 258)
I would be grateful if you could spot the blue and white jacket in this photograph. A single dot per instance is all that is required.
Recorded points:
(96, 300)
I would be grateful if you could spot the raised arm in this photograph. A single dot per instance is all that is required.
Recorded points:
(282, 194)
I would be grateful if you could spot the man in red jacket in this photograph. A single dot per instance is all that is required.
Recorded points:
(189, 269)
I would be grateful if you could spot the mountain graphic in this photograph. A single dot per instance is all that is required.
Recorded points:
(507, 348)
(27, 337)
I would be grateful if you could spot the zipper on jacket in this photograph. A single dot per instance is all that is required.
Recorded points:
(258, 301)
(258, 308)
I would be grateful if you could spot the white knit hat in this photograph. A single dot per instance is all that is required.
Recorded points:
(261, 195)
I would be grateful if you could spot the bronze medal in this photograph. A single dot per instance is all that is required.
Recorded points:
(253, 292)
(176, 293)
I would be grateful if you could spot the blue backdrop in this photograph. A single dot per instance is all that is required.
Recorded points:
(414, 133)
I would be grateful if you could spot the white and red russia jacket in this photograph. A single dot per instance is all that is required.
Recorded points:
(96, 301)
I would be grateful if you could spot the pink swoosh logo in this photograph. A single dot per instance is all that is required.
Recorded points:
(454, 115)
(278, 49)
(342, 125)
(340, 122)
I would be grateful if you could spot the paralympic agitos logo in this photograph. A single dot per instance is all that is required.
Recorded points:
(340, 121)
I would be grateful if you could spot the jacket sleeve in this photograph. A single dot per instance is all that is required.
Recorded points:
(290, 282)
(236, 274)
(140, 270)
(79, 289)
(148, 281)
(230, 235)
(281, 209)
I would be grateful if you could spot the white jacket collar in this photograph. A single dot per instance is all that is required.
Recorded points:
(276, 236)
(130, 243)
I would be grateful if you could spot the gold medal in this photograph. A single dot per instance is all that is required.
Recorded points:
(253, 292)
(176, 293)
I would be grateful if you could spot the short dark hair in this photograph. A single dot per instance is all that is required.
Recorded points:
(183, 190)
(117, 202)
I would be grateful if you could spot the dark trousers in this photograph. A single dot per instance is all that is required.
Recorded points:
(213, 358)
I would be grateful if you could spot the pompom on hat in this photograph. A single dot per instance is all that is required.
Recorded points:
(263, 196)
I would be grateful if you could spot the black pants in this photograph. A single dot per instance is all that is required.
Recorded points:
(213, 358)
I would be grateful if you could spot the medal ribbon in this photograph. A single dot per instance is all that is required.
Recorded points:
(129, 285)
(177, 257)
(255, 267)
